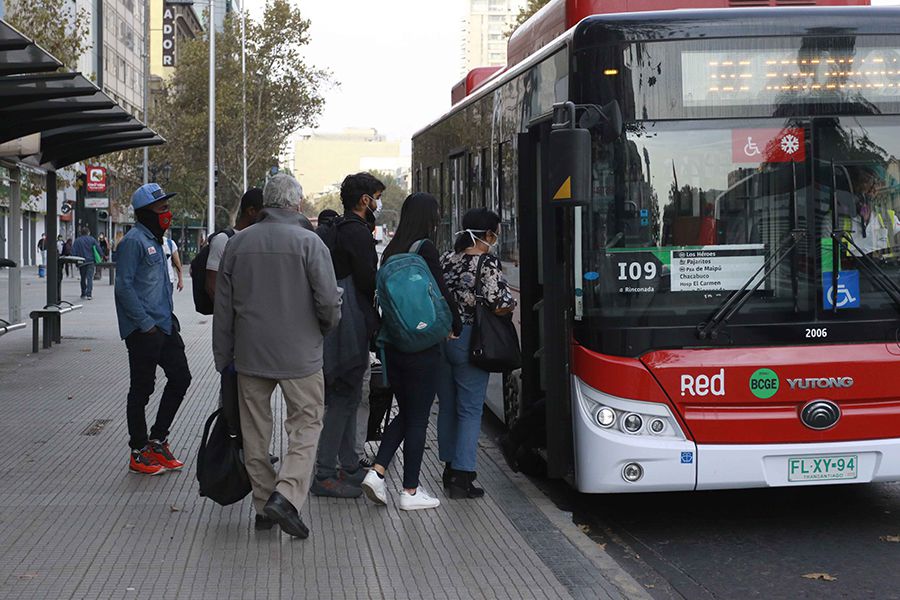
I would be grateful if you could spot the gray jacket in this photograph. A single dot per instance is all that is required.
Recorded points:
(276, 297)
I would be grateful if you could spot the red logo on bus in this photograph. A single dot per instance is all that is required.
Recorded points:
(768, 145)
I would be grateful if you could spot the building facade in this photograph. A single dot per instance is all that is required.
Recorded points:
(486, 25)
(322, 160)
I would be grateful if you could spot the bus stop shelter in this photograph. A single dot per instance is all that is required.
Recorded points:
(50, 120)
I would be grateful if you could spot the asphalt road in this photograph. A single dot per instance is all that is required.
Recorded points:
(747, 543)
(750, 543)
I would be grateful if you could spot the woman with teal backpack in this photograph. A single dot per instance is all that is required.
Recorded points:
(411, 374)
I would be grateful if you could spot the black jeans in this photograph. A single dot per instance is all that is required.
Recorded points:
(414, 382)
(87, 280)
(145, 352)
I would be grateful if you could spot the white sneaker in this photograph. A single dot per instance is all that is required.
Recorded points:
(418, 501)
(373, 486)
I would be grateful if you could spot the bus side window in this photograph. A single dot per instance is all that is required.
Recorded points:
(506, 189)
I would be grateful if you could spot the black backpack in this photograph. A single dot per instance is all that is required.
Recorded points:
(220, 466)
(202, 302)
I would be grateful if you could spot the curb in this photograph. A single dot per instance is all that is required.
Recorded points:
(608, 568)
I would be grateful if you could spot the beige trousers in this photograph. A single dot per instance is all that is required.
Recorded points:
(304, 400)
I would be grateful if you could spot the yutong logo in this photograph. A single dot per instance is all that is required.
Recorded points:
(820, 383)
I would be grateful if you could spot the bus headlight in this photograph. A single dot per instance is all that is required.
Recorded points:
(620, 416)
(632, 472)
(632, 423)
(606, 417)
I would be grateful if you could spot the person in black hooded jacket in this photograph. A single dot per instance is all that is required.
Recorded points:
(338, 472)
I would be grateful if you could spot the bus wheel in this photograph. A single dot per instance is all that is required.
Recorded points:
(512, 397)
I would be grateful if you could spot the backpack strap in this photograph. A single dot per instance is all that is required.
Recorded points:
(414, 249)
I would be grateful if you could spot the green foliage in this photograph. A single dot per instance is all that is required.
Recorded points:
(531, 7)
(54, 25)
(282, 96)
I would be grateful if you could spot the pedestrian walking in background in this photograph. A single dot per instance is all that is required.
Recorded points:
(462, 386)
(103, 243)
(324, 222)
(42, 252)
(412, 375)
(338, 472)
(173, 263)
(276, 298)
(87, 248)
(115, 246)
(150, 329)
(67, 251)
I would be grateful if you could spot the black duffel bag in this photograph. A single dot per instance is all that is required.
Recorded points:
(220, 467)
(494, 346)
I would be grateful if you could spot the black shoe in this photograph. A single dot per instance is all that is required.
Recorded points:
(462, 485)
(273, 459)
(280, 510)
(262, 523)
(447, 475)
(365, 463)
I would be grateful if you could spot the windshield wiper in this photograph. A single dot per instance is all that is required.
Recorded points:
(870, 267)
(736, 301)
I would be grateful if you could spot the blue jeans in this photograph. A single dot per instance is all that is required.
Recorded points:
(461, 391)
(87, 280)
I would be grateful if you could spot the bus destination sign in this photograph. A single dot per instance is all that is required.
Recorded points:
(715, 268)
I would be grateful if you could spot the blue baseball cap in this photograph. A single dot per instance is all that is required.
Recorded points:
(147, 194)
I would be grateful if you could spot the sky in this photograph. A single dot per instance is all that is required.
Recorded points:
(395, 60)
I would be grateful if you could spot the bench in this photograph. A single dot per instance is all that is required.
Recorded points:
(52, 316)
(6, 326)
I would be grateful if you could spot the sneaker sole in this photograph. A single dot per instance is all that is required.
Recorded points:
(372, 495)
(136, 472)
(412, 508)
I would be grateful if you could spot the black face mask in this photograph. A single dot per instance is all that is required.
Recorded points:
(370, 220)
(150, 220)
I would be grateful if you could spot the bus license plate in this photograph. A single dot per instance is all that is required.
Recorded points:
(818, 468)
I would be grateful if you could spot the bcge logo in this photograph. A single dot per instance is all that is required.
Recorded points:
(703, 385)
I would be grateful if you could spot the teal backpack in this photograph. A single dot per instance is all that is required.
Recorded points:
(414, 314)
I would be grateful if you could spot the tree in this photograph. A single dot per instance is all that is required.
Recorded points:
(54, 25)
(282, 96)
(531, 7)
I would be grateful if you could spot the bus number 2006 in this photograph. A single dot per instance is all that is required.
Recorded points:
(816, 333)
(634, 271)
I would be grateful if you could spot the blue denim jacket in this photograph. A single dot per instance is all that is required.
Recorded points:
(143, 289)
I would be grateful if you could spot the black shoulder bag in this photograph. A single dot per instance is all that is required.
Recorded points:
(495, 342)
(220, 467)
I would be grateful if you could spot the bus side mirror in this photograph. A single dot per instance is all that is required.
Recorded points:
(608, 117)
(570, 167)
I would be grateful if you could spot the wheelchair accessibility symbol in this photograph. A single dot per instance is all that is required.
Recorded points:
(750, 148)
(847, 290)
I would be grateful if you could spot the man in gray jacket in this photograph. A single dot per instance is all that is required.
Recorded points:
(276, 297)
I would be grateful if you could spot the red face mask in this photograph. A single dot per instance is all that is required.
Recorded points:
(165, 220)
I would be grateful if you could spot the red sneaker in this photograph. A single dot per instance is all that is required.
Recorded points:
(144, 463)
(160, 452)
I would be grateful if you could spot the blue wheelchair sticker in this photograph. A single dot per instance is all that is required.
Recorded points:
(645, 212)
(592, 275)
(847, 292)
(687, 458)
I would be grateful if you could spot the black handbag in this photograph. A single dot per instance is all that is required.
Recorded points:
(494, 346)
(220, 467)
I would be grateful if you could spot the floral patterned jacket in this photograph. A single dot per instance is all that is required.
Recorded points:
(459, 274)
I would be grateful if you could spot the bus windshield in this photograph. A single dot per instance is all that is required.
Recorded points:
(685, 213)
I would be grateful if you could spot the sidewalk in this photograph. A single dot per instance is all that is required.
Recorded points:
(74, 523)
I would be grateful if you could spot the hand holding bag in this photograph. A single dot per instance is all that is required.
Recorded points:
(495, 342)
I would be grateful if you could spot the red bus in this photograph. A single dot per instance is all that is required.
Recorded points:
(701, 217)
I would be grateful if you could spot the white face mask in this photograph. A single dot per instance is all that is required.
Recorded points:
(475, 238)
(378, 206)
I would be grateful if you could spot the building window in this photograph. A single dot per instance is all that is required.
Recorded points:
(129, 5)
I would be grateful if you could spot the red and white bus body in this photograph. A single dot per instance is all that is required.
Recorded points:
(643, 387)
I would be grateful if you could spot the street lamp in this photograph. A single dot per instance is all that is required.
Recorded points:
(164, 169)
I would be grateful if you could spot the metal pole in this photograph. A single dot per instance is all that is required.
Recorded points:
(53, 293)
(211, 203)
(244, 88)
(146, 102)
(15, 245)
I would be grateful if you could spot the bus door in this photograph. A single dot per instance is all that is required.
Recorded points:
(458, 173)
(546, 294)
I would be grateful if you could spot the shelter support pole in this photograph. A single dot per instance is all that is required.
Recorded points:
(15, 245)
(53, 292)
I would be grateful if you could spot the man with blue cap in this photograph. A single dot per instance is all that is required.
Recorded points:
(150, 330)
